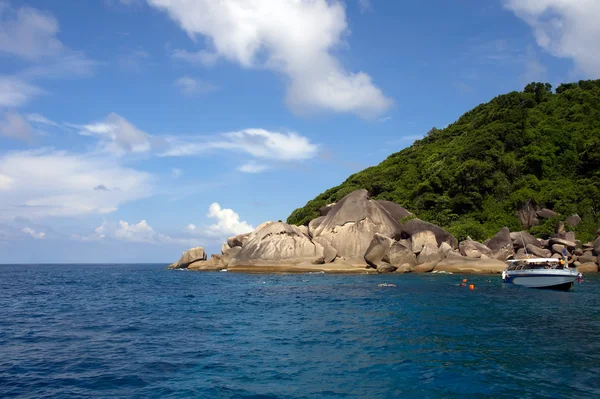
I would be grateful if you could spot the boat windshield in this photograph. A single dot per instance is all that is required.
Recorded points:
(528, 264)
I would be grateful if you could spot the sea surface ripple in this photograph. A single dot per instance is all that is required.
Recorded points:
(140, 331)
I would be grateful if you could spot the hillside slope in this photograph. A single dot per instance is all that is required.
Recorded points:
(534, 146)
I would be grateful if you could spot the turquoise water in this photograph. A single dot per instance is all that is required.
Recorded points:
(111, 331)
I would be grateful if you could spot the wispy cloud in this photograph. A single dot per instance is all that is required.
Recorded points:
(40, 119)
(31, 34)
(189, 86)
(259, 143)
(117, 135)
(253, 167)
(202, 57)
(13, 125)
(15, 92)
(365, 5)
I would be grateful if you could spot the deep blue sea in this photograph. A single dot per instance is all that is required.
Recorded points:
(140, 331)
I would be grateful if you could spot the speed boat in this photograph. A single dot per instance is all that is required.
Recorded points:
(541, 273)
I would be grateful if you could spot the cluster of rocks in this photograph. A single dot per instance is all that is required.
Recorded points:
(361, 235)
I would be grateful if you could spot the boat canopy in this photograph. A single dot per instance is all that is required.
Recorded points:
(535, 260)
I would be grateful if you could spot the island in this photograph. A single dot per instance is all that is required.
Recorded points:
(517, 176)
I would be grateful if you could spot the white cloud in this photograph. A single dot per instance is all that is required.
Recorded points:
(190, 228)
(40, 119)
(14, 126)
(45, 183)
(142, 232)
(564, 28)
(227, 222)
(190, 86)
(259, 143)
(99, 233)
(117, 134)
(14, 92)
(293, 37)
(37, 235)
(252, 167)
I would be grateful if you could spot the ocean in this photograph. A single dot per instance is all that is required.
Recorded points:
(140, 331)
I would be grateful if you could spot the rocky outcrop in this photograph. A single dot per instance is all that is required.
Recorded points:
(188, 257)
(397, 211)
(500, 241)
(378, 250)
(215, 263)
(329, 252)
(353, 221)
(459, 264)
(521, 239)
(304, 230)
(421, 239)
(537, 251)
(415, 226)
(401, 257)
(276, 244)
(324, 210)
(428, 258)
(527, 215)
(360, 235)
(588, 267)
(588, 257)
(238, 241)
(501, 245)
(313, 224)
(227, 256)
(546, 214)
(474, 249)
(566, 243)
(573, 220)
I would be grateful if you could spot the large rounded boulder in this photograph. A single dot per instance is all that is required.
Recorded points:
(474, 249)
(188, 257)
(353, 221)
(521, 239)
(414, 227)
(276, 244)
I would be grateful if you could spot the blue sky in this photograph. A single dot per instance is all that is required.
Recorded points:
(131, 130)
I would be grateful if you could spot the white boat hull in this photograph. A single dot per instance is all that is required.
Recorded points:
(542, 278)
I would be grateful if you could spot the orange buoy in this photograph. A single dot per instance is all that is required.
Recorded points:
(472, 286)
(464, 280)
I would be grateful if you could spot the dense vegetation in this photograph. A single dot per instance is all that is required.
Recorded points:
(471, 177)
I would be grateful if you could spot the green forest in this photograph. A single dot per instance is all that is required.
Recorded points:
(537, 145)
